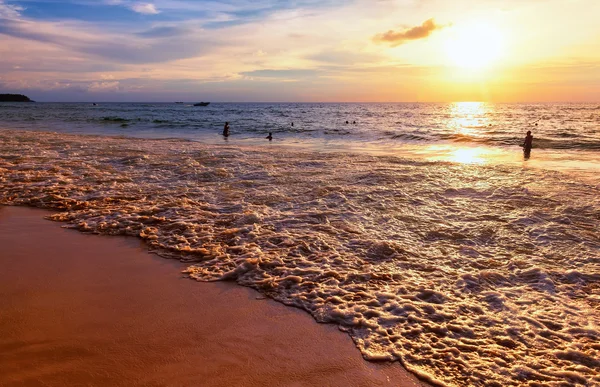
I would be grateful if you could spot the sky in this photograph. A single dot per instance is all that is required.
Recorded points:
(301, 50)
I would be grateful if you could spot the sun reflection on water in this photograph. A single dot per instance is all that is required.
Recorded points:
(467, 156)
(468, 118)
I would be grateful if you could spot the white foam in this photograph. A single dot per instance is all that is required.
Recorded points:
(469, 275)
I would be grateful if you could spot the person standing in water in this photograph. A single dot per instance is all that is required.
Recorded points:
(269, 137)
(527, 144)
(226, 130)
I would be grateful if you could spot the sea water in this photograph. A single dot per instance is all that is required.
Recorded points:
(420, 230)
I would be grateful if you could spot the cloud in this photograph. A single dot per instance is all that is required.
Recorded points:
(396, 38)
(165, 31)
(103, 86)
(8, 11)
(280, 74)
(145, 8)
(346, 58)
(141, 50)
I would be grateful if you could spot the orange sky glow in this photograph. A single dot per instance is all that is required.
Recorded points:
(342, 51)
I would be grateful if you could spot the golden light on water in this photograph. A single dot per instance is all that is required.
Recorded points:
(469, 121)
(468, 118)
(470, 107)
(475, 46)
(467, 155)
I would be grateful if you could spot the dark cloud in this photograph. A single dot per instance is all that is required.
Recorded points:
(396, 38)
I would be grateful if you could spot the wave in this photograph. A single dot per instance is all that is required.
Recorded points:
(575, 141)
(418, 123)
(411, 137)
(468, 275)
(115, 119)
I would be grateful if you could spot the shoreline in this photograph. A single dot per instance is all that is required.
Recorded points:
(84, 309)
(575, 162)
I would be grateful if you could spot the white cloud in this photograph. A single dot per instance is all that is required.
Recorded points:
(8, 11)
(104, 86)
(145, 8)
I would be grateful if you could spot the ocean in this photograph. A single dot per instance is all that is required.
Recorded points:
(420, 230)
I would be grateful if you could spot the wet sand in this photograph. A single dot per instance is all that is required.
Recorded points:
(87, 310)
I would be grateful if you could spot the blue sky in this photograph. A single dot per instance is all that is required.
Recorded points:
(296, 50)
(207, 13)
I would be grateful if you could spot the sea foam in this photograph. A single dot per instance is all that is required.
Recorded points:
(468, 275)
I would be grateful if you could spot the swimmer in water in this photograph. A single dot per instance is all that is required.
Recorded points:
(226, 130)
(527, 144)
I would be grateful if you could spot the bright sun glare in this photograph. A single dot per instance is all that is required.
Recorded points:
(475, 46)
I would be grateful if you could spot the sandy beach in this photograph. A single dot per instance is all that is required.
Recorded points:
(93, 310)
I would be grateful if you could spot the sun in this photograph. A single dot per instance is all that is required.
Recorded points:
(475, 46)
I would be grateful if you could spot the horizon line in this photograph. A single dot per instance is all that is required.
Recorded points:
(330, 102)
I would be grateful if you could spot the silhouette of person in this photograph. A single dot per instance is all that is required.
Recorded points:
(226, 130)
(269, 137)
(347, 122)
(527, 144)
(354, 122)
(292, 124)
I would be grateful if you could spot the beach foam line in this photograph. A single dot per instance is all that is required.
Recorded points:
(86, 310)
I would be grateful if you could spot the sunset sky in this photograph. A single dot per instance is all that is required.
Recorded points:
(301, 50)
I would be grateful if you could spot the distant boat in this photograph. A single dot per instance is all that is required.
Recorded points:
(178, 102)
(201, 104)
